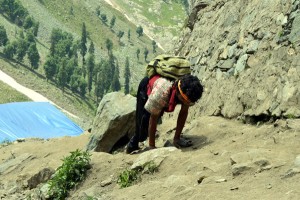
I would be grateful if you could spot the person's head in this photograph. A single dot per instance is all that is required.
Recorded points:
(189, 89)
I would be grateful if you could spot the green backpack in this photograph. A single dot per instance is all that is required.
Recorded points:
(168, 66)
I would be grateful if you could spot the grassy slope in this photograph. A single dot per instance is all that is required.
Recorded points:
(56, 14)
(166, 17)
(9, 94)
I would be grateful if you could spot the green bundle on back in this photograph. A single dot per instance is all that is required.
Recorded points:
(169, 66)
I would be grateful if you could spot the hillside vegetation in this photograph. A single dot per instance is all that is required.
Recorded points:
(68, 17)
(162, 20)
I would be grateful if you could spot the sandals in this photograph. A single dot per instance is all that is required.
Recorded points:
(182, 143)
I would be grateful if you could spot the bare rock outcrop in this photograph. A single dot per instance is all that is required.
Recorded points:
(114, 120)
(246, 54)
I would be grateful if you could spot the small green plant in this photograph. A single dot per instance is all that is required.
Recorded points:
(131, 176)
(128, 177)
(290, 116)
(72, 171)
(150, 168)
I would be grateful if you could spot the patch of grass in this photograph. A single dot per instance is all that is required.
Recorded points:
(69, 174)
(290, 116)
(131, 176)
(128, 177)
(8, 94)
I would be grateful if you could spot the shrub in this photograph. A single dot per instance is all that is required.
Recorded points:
(67, 176)
(131, 176)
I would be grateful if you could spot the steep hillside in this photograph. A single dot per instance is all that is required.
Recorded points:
(247, 56)
(69, 16)
(161, 20)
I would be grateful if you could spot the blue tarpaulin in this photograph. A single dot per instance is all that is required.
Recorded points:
(34, 120)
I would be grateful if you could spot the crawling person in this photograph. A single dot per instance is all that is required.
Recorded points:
(158, 95)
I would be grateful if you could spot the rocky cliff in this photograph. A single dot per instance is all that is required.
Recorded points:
(246, 54)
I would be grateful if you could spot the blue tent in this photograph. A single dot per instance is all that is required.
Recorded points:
(34, 120)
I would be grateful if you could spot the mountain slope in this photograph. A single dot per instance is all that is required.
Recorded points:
(69, 17)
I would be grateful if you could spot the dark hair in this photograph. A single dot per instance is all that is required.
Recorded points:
(191, 86)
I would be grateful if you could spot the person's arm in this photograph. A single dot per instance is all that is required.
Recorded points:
(181, 121)
(152, 130)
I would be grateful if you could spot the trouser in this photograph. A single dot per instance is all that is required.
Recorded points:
(142, 115)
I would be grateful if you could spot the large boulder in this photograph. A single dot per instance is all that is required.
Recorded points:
(115, 119)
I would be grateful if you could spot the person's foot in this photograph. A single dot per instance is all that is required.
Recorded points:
(182, 143)
(130, 148)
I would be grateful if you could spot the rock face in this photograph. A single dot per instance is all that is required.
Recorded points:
(115, 119)
(246, 55)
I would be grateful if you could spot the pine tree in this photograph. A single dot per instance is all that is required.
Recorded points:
(154, 46)
(146, 51)
(120, 35)
(115, 85)
(22, 47)
(3, 36)
(83, 42)
(128, 34)
(112, 22)
(99, 88)
(50, 67)
(90, 70)
(127, 77)
(139, 31)
(82, 86)
(62, 73)
(33, 56)
(138, 51)
(109, 46)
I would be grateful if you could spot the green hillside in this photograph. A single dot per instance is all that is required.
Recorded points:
(69, 17)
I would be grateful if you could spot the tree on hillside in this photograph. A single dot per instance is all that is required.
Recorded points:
(112, 22)
(90, 70)
(139, 31)
(106, 71)
(128, 34)
(109, 45)
(83, 42)
(55, 37)
(127, 76)
(98, 11)
(154, 46)
(115, 85)
(74, 82)
(82, 86)
(50, 67)
(120, 35)
(35, 28)
(28, 22)
(30, 37)
(103, 18)
(138, 51)
(10, 50)
(72, 64)
(3, 36)
(71, 12)
(14, 10)
(91, 48)
(22, 47)
(146, 51)
(33, 56)
(62, 73)
(99, 88)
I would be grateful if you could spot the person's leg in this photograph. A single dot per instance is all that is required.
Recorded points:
(140, 119)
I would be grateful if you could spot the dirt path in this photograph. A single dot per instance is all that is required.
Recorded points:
(34, 96)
